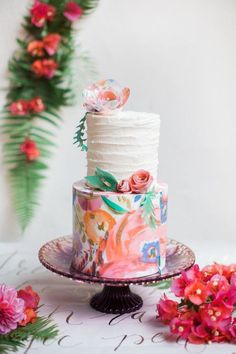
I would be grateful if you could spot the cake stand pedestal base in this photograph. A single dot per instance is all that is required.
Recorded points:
(116, 300)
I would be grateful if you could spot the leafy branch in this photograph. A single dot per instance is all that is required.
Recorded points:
(79, 137)
(41, 330)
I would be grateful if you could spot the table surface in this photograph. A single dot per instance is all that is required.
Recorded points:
(81, 327)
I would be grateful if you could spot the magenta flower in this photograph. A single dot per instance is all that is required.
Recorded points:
(11, 309)
(167, 309)
(72, 11)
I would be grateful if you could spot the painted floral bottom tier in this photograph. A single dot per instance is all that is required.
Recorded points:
(111, 236)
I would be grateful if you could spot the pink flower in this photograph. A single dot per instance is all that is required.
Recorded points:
(181, 327)
(218, 283)
(105, 96)
(211, 270)
(44, 68)
(196, 292)
(200, 334)
(72, 11)
(167, 309)
(177, 286)
(192, 274)
(11, 309)
(123, 186)
(41, 12)
(36, 105)
(232, 330)
(51, 43)
(19, 108)
(216, 315)
(30, 297)
(140, 181)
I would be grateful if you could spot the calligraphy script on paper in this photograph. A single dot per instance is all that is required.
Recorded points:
(81, 327)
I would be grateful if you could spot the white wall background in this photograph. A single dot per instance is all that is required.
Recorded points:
(179, 59)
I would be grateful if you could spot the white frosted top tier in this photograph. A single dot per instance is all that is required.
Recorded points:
(123, 143)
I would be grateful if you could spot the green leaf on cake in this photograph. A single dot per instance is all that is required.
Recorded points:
(107, 178)
(102, 180)
(115, 207)
(79, 137)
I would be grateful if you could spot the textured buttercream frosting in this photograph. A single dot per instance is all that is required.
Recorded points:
(123, 143)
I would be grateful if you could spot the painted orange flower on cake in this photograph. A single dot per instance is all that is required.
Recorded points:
(97, 223)
(133, 247)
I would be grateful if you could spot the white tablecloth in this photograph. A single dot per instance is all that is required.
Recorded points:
(84, 330)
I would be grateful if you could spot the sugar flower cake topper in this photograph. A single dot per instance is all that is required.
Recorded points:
(105, 96)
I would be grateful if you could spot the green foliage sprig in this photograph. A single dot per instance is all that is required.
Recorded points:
(26, 175)
(79, 137)
(149, 210)
(41, 330)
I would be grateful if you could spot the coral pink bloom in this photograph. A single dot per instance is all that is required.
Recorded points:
(72, 11)
(216, 315)
(217, 283)
(44, 68)
(11, 309)
(233, 280)
(29, 148)
(228, 298)
(192, 274)
(232, 330)
(230, 270)
(51, 43)
(196, 292)
(30, 297)
(123, 186)
(36, 105)
(167, 309)
(19, 108)
(140, 181)
(181, 327)
(211, 270)
(41, 12)
(177, 286)
(199, 334)
(36, 48)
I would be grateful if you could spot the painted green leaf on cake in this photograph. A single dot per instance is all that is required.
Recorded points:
(115, 207)
(149, 210)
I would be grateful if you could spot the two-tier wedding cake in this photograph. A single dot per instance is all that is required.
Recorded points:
(119, 209)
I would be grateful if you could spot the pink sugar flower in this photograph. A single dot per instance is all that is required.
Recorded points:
(167, 309)
(72, 11)
(140, 181)
(123, 186)
(11, 309)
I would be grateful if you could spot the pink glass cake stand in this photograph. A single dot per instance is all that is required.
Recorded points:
(116, 296)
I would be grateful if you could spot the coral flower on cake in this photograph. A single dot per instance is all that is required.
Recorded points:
(105, 96)
(140, 181)
(29, 148)
(44, 68)
(41, 12)
(36, 48)
(11, 309)
(51, 43)
(72, 11)
(19, 108)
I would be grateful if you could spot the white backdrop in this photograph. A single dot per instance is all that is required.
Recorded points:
(178, 57)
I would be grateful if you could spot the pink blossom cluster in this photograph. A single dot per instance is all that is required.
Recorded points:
(17, 308)
(208, 301)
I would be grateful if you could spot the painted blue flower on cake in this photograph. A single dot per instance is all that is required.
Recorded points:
(163, 206)
(151, 252)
